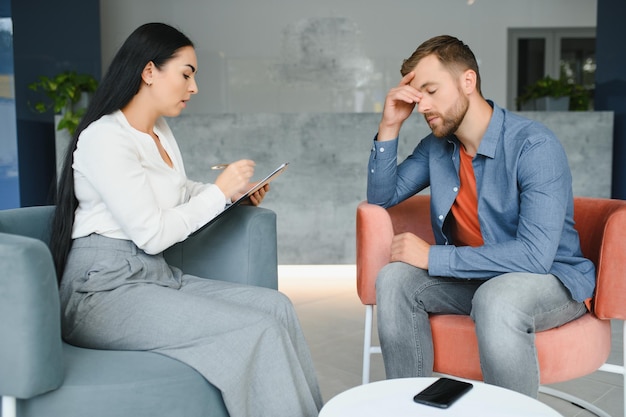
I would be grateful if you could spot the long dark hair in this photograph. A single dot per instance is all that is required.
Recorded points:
(152, 42)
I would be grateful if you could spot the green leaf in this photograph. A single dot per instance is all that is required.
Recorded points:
(550, 87)
(62, 91)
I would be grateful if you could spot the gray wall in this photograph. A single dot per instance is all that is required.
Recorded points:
(329, 55)
(316, 197)
(295, 81)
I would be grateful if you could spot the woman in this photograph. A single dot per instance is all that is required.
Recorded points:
(124, 198)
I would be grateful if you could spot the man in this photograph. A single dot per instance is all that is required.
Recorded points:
(506, 251)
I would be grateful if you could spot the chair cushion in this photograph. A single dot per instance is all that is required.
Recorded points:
(126, 383)
(456, 348)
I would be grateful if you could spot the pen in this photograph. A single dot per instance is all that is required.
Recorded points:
(219, 166)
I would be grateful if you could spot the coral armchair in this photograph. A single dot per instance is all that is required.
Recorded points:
(567, 352)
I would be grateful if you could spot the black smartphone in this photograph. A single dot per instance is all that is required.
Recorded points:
(442, 393)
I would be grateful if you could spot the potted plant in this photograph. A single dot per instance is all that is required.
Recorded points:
(67, 94)
(579, 98)
(553, 94)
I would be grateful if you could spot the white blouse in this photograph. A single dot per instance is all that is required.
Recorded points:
(125, 190)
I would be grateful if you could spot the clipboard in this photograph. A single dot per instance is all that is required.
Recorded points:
(269, 178)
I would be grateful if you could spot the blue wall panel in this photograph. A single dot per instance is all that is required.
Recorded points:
(49, 37)
(9, 178)
(611, 82)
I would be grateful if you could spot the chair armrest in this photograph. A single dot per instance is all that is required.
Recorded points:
(31, 357)
(33, 222)
(375, 228)
(241, 247)
(374, 233)
(601, 222)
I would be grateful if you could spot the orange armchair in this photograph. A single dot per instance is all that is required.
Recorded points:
(567, 352)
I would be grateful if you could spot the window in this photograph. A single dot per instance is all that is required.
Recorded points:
(535, 53)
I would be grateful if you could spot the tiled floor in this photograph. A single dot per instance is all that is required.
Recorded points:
(332, 318)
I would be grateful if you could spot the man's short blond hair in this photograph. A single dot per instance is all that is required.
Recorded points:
(453, 54)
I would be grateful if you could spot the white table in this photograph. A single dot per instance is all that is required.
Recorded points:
(394, 398)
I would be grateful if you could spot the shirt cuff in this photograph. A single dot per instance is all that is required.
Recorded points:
(439, 260)
(384, 150)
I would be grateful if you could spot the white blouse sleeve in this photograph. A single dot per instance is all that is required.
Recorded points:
(122, 181)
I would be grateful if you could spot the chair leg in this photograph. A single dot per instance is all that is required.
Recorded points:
(9, 406)
(367, 343)
(574, 400)
(368, 349)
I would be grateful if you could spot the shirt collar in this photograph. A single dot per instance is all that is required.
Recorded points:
(489, 143)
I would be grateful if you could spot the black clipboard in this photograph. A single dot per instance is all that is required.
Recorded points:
(251, 191)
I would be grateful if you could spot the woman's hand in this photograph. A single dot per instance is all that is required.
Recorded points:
(256, 198)
(235, 178)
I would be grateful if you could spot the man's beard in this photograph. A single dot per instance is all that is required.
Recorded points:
(450, 123)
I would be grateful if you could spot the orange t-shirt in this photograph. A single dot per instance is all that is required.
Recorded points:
(465, 225)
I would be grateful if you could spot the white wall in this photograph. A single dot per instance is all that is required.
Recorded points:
(329, 55)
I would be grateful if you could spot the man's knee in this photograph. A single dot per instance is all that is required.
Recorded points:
(516, 291)
(500, 303)
(394, 276)
(386, 276)
(399, 282)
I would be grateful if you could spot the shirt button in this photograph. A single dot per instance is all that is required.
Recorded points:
(441, 217)
(382, 149)
(372, 171)
(455, 189)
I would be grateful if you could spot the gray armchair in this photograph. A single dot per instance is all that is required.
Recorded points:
(40, 375)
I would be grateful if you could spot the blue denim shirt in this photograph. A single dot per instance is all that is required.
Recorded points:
(525, 201)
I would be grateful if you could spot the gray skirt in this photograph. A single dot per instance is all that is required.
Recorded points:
(115, 296)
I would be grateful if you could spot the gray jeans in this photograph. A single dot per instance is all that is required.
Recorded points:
(507, 310)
